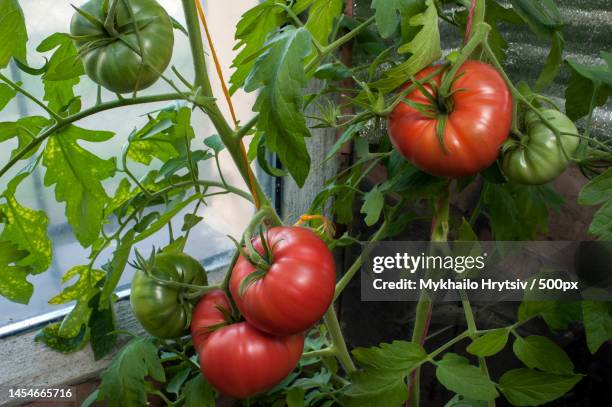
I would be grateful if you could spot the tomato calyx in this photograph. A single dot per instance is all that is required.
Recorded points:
(188, 292)
(262, 263)
(325, 230)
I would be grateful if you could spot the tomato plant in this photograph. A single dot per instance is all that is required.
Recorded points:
(124, 49)
(158, 300)
(433, 145)
(541, 155)
(294, 289)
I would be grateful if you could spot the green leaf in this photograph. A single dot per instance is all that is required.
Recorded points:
(374, 201)
(542, 16)
(177, 381)
(539, 352)
(496, 13)
(516, 212)
(348, 134)
(333, 72)
(13, 283)
(601, 225)
(321, 18)
(27, 230)
(50, 336)
(524, 387)
(460, 401)
(63, 71)
(597, 190)
(372, 388)
(251, 33)
(457, 375)
(165, 218)
(582, 85)
(295, 397)
(279, 76)
(215, 143)
(6, 95)
(597, 323)
(25, 129)
(554, 61)
(557, 315)
(423, 49)
(490, 343)
(101, 325)
(163, 137)
(13, 33)
(198, 393)
(116, 267)
(77, 175)
(466, 233)
(87, 280)
(387, 17)
(123, 382)
(398, 355)
(83, 290)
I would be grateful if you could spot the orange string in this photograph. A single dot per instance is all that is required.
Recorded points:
(228, 98)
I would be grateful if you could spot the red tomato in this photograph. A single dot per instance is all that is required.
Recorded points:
(477, 124)
(238, 359)
(296, 290)
(241, 361)
(208, 313)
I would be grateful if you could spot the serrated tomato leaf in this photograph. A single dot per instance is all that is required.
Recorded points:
(279, 76)
(62, 75)
(251, 33)
(13, 33)
(539, 352)
(457, 375)
(321, 16)
(597, 323)
(123, 382)
(50, 336)
(13, 283)
(25, 130)
(375, 388)
(525, 387)
(490, 343)
(585, 80)
(77, 175)
(198, 393)
(27, 230)
(395, 356)
(422, 49)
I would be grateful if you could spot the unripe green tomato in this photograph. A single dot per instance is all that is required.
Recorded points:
(162, 310)
(114, 61)
(539, 157)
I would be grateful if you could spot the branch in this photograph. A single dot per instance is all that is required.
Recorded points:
(33, 98)
(63, 122)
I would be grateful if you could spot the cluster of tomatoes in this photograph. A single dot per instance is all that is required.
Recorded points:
(246, 352)
(476, 118)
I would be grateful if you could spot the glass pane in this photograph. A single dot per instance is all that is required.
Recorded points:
(223, 215)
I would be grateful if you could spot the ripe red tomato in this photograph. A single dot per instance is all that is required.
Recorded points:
(210, 311)
(238, 359)
(296, 290)
(479, 117)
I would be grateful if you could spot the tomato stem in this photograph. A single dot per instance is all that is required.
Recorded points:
(439, 233)
(338, 341)
(479, 36)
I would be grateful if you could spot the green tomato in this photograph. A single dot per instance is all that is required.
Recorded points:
(162, 309)
(114, 60)
(539, 157)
